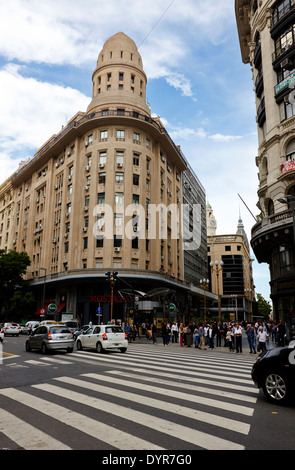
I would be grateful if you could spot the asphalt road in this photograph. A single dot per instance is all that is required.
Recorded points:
(152, 397)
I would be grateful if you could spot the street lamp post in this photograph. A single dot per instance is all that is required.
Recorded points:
(217, 268)
(43, 269)
(204, 283)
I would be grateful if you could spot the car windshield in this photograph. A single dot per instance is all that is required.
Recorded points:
(72, 324)
(58, 329)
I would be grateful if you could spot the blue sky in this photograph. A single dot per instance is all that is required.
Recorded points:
(197, 84)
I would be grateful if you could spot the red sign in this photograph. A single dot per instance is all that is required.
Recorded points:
(288, 166)
(106, 299)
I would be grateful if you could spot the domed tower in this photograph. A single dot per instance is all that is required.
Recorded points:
(119, 78)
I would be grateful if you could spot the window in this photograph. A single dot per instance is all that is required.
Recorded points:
(85, 243)
(118, 220)
(135, 199)
(120, 134)
(70, 189)
(103, 135)
(101, 178)
(136, 137)
(66, 247)
(86, 201)
(136, 180)
(119, 198)
(100, 198)
(109, 77)
(135, 243)
(136, 159)
(117, 241)
(102, 157)
(121, 76)
(119, 178)
(119, 157)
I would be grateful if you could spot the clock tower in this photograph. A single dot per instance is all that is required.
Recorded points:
(211, 221)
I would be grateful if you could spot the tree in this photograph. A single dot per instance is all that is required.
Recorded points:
(264, 307)
(13, 287)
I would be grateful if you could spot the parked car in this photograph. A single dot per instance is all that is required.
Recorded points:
(31, 325)
(1, 333)
(274, 372)
(81, 331)
(12, 329)
(24, 329)
(102, 338)
(73, 325)
(50, 337)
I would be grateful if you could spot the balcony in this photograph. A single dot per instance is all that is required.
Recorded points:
(288, 166)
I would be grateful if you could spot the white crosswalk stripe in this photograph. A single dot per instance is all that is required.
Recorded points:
(204, 400)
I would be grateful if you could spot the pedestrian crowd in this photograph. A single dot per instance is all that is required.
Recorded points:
(210, 335)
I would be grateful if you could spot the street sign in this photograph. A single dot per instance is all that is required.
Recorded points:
(52, 308)
(172, 307)
(99, 310)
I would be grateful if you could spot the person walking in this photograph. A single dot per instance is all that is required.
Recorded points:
(238, 338)
(229, 339)
(154, 333)
(211, 334)
(251, 338)
(202, 340)
(262, 338)
(174, 331)
(196, 336)
(189, 335)
(181, 335)
(164, 333)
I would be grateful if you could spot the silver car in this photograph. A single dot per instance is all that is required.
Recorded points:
(50, 337)
(12, 329)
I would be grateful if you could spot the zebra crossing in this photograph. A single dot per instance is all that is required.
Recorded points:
(146, 399)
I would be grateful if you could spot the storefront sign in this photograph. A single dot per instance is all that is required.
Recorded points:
(96, 299)
(285, 82)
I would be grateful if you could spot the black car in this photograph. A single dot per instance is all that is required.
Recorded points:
(274, 372)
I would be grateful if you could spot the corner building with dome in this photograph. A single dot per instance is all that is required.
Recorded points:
(92, 178)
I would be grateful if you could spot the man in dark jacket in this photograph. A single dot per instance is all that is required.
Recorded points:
(251, 338)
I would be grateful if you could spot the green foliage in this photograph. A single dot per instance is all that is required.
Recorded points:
(264, 307)
(14, 293)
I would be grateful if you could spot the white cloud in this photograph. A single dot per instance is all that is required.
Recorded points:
(30, 113)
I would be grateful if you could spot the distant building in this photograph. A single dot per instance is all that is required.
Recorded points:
(104, 195)
(234, 282)
(267, 40)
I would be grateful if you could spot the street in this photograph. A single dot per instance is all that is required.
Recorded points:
(151, 398)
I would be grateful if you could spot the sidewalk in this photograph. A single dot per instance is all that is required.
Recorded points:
(245, 347)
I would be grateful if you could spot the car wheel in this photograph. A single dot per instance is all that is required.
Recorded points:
(28, 347)
(79, 345)
(276, 387)
(99, 347)
(123, 350)
(44, 348)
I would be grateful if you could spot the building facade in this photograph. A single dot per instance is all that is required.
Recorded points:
(267, 40)
(231, 276)
(106, 194)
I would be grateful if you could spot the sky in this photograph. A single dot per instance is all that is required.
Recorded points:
(197, 85)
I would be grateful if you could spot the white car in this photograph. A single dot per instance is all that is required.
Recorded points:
(12, 329)
(1, 333)
(103, 337)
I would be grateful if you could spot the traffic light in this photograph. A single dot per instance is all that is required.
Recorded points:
(108, 276)
(115, 275)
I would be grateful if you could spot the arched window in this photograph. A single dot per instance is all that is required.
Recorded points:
(270, 207)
